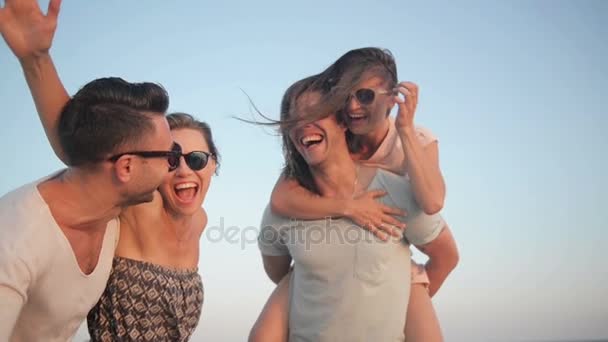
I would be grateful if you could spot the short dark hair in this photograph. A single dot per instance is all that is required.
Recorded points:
(187, 121)
(107, 114)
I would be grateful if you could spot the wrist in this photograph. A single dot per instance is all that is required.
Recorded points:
(32, 63)
(407, 130)
(345, 208)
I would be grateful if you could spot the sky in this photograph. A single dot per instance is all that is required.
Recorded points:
(515, 90)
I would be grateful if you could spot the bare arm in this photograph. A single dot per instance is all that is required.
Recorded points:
(290, 199)
(276, 267)
(443, 258)
(29, 34)
(423, 170)
(422, 162)
(49, 96)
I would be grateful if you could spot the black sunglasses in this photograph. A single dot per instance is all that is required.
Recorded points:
(172, 156)
(366, 96)
(197, 160)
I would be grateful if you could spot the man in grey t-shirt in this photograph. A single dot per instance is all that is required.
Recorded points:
(347, 285)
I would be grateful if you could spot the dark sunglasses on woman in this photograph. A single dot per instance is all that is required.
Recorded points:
(197, 160)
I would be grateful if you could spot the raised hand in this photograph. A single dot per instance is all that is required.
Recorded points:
(27, 31)
(407, 105)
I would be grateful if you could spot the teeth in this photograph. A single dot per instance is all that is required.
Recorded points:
(185, 186)
(311, 138)
(357, 116)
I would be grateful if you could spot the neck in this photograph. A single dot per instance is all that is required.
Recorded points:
(179, 224)
(372, 140)
(336, 177)
(80, 199)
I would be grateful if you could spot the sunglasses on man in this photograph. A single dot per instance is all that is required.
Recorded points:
(172, 156)
(366, 96)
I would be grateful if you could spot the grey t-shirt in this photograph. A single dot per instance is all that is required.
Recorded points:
(347, 285)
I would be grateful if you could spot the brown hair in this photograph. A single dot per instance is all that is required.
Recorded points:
(187, 121)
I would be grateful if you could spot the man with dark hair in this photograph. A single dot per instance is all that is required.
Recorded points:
(58, 234)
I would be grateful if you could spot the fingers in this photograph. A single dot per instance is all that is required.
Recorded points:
(376, 193)
(53, 10)
(389, 227)
(379, 233)
(393, 211)
(391, 221)
(411, 97)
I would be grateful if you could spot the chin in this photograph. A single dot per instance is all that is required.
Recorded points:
(185, 211)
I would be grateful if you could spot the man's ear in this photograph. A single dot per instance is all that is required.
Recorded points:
(123, 168)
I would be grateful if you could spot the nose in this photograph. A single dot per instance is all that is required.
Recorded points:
(353, 104)
(183, 169)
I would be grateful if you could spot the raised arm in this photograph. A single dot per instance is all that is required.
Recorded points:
(422, 162)
(290, 199)
(29, 34)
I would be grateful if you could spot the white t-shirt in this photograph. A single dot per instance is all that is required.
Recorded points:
(346, 284)
(44, 295)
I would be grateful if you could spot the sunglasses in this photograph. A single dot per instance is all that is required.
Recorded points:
(197, 160)
(366, 96)
(172, 156)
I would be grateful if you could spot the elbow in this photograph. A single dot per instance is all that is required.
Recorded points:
(432, 207)
(274, 275)
(275, 278)
(453, 259)
(450, 258)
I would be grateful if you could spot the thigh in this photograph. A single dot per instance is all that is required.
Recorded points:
(421, 323)
(273, 323)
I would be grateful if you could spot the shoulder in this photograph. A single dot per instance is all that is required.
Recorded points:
(272, 220)
(389, 181)
(425, 136)
(200, 220)
(399, 192)
(28, 232)
(24, 216)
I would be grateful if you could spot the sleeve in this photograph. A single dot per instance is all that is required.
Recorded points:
(15, 278)
(425, 136)
(420, 228)
(270, 239)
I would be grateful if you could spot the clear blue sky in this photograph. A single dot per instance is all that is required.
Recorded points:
(515, 90)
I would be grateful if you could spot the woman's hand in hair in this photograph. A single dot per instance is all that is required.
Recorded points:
(407, 105)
